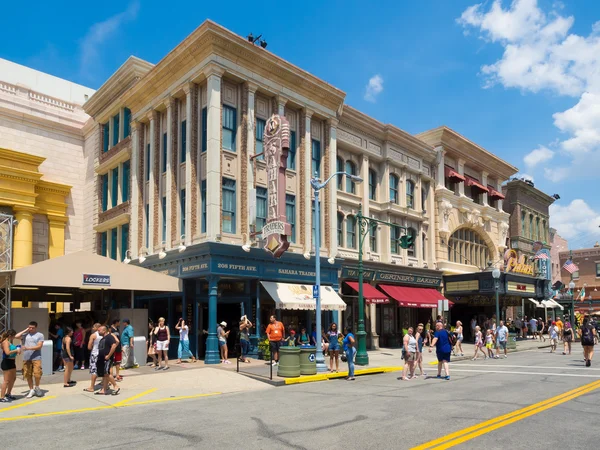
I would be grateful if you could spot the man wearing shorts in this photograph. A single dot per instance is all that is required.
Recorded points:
(118, 356)
(106, 351)
(501, 339)
(275, 332)
(553, 335)
(31, 349)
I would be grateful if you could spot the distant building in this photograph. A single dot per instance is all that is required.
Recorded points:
(557, 245)
(588, 276)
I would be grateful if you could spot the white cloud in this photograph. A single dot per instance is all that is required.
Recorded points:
(539, 54)
(577, 222)
(99, 33)
(538, 156)
(374, 88)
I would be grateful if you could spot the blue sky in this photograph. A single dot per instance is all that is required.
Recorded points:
(521, 78)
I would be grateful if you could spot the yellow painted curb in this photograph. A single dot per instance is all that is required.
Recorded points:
(333, 376)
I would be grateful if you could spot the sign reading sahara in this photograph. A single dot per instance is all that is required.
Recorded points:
(95, 280)
(276, 146)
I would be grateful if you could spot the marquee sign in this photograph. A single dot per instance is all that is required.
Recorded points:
(514, 264)
(276, 144)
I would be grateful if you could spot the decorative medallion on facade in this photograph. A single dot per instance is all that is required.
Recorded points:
(276, 145)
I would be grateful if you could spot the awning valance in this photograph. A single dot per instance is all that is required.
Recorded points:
(549, 304)
(476, 184)
(414, 297)
(370, 294)
(83, 270)
(300, 296)
(449, 172)
(494, 194)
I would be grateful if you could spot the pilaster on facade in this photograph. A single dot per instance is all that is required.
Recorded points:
(460, 166)
(189, 91)
(306, 199)
(134, 229)
(152, 185)
(331, 219)
(248, 152)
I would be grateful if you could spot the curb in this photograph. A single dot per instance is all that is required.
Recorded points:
(467, 358)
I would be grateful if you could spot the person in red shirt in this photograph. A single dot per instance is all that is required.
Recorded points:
(275, 333)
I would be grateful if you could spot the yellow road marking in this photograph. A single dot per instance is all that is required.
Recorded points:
(27, 403)
(331, 376)
(469, 433)
(100, 408)
(135, 397)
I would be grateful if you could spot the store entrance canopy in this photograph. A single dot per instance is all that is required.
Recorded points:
(414, 297)
(370, 294)
(300, 296)
(83, 270)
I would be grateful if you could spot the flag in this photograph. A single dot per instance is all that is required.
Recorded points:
(582, 294)
(541, 255)
(570, 267)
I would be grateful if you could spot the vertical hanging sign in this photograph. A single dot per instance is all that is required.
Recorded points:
(276, 147)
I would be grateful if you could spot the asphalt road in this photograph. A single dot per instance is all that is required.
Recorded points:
(372, 412)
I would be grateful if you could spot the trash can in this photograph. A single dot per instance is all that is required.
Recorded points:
(308, 360)
(289, 362)
(512, 341)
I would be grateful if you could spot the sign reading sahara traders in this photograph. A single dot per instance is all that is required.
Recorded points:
(276, 147)
(95, 280)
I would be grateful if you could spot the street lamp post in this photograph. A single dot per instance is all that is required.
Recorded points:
(317, 186)
(496, 275)
(571, 289)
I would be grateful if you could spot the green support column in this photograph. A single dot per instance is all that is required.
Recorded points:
(362, 358)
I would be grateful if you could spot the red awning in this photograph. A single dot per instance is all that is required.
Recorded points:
(494, 194)
(476, 184)
(414, 297)
(370, 294)
(451, 173)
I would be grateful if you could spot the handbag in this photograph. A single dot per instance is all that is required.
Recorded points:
(344, 358)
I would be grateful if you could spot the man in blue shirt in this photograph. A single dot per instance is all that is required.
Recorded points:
(441, 341)
(501, 339)
(127, 346)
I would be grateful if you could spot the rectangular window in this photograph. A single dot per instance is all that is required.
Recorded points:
(113, 243)
(229, 128)
(394, 189)
(105, 137)
(576, 275)
(104, 187)
(340, 230)
(340, 177)
(204, 128)
(424, 196)
(597, 270)
(115, 135)
(182, 210)
(316, 158)
(261, 208)
(115, 188)
(164, 153)
(203, 199)
(260, 131)
(103, 243)
(148, 162)
(372, 185)
(373, 237)
(291, 161)
(229, 206)
(394, 238)
(164, 219)
(290, 214)
(183, 141)
(411, 251)
(126, 120)
(124, 240)
(125, 180)
(350, 232)
(147, 226)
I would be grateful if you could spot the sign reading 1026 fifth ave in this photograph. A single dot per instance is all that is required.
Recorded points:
(276, 144)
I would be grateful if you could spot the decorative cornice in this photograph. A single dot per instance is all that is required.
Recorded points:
(13, 155)
(106, 159)
(50, 187)
(114, 216)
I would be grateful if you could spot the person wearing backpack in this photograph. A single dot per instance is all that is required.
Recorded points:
(588, 334)
(443, 342)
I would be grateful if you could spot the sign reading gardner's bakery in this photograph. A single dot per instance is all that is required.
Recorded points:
(276, 140)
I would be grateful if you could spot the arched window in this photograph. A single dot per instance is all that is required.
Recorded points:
(412, 249)
(410, 194)
(373, 237)
(531, 226)
(538, 235)
(468, 247)
(523, 223)
(340, 229)
(394, 188)
(372, 185)
(340, 178)
(351, 169)
(350, 232)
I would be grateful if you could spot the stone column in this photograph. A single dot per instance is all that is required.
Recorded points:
(152, 186)
(188, 89)
(307, 195)
(135, 191)
(418, 195)
(460, 167)
(499, 189)
(213, 150)
(23, 240)
(484, 181)
(248, 165)
(440, 170)
(56, 236)
(281, 102)
(171, 207)
(121, 124)
(332, 189)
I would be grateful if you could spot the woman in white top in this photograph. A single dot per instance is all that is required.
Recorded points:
(410, 354)
(183, 351)
(478, 343)
(459, 338)
(93, 347)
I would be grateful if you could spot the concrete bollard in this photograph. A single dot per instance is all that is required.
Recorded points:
(139, 350)
(47, 357)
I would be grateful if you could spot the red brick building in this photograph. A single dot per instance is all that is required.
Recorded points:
(588, 276)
